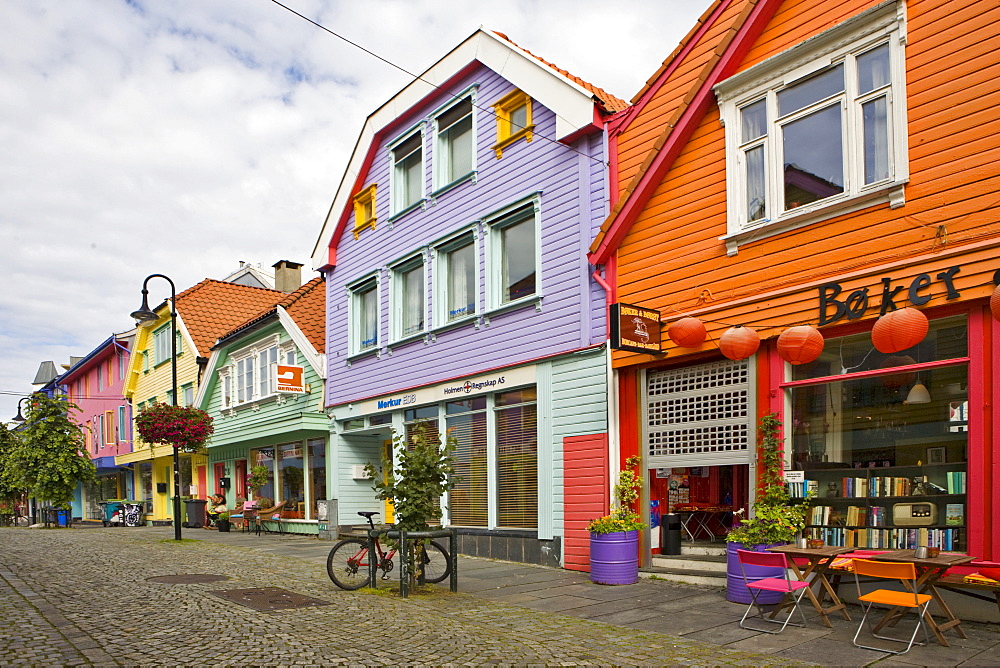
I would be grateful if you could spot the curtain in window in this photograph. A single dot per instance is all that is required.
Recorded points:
(460, 301)
(413, 319)
(369, 334)
(876, 132)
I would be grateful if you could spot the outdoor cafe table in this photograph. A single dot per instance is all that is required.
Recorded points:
(708, 521)
(819, 560)
(929, 571)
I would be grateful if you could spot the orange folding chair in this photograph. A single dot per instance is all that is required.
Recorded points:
(904, 572)
(785, 585)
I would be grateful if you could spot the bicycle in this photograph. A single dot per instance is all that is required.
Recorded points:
(348, 564)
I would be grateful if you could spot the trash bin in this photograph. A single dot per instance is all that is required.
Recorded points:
(63, 516)
(195, 513)
(670, 534)
(110, 507)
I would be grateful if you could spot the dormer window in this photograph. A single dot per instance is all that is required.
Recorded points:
(513, 120)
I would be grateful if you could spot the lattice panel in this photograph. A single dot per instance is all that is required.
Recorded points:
(698, 378)
(699, 415)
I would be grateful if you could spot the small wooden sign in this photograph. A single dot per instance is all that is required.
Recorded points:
(635, 328)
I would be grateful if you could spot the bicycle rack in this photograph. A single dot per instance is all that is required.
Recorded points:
(404, 562)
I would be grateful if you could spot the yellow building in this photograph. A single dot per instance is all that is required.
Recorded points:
(204, 313)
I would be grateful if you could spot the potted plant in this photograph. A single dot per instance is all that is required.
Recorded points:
(614, 538)
(184, 427)
(223, 522)
(775, 521)
(258, 477)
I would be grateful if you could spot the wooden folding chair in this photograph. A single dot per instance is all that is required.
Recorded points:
(785, 585)
(904, 572)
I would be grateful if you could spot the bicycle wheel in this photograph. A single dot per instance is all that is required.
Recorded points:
(437, 566)
(347, 564)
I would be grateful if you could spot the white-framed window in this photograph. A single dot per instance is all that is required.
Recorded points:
(161, 345)
(455, 141)
(514, 254)
(818, 130)
(364, 315)
(456, 279)
(407, 183)
(409, 298)
(188, 393)
(252, 373)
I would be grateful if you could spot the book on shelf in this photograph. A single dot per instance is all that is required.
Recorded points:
(956, 482)
(954, 514)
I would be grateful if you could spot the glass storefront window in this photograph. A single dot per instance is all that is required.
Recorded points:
(291, 477)
(468, 501)
(885, 454)
(317, 474)
(264, 457)
(146, 485)
(517, 459)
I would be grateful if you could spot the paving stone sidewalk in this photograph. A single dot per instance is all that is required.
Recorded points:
(82, 597)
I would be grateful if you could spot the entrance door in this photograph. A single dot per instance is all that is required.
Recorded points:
(388, 512)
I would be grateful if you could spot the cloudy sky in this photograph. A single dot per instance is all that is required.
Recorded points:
(183, 136)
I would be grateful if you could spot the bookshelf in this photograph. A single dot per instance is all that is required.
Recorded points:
(889, 507)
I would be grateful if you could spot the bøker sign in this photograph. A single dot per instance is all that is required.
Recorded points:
(855, 305)
(635, 328)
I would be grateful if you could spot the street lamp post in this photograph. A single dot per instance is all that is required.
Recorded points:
(143, 315)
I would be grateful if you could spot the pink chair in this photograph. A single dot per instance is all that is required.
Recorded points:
(785, 585)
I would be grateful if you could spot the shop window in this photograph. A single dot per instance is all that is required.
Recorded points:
(517, 459)
(291, 479)
(264, 457)
(317, 475)
(468, 501)
(146, 485)
(513, 113)
(818, 128)
(884, 450)
(424, 418)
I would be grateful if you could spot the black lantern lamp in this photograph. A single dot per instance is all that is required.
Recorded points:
(146, 315)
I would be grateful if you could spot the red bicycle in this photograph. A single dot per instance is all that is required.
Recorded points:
(348, 562)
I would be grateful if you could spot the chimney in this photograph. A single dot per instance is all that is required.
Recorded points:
(287, 275)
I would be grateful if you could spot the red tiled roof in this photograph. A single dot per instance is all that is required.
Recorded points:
(212, 308)
(307, 306)
(609, 102)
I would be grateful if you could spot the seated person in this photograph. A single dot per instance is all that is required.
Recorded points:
(216, 506)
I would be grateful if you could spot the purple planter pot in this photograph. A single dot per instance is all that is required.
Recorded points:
(614, 558)
(736, 588)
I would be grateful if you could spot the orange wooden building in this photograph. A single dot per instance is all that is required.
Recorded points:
(802, 162)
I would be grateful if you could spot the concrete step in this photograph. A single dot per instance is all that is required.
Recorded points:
(705, 578)
(691, 562)
(709, 549)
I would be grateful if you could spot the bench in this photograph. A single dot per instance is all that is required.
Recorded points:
(955, 583)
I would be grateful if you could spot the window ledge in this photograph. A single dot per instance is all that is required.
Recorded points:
(471, 176)
(409, 338)
(527, 132)
(419, 204)
(249, 404)
(454, 324)
(891, 194)
(535, 300)
(371, 352)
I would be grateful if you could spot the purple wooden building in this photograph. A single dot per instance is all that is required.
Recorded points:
(458, 292)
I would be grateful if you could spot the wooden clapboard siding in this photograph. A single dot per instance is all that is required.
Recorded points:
(572, 186)
(586, 463)
(671, 255)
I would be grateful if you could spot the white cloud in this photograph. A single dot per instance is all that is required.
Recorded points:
(182, 137)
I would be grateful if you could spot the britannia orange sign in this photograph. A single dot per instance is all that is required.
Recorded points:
(291, 379)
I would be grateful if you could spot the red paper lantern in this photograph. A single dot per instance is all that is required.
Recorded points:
(739, 342)
(899, 330)
(800, 345)
(898, 380)
(995, 303)
(687, 332)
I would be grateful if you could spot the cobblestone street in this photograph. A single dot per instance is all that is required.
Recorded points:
(82, 597)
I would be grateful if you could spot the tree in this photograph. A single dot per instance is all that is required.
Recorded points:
(49, 458)
(10, 488)
(423, 473)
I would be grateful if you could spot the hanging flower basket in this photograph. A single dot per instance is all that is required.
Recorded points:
(185, 428)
